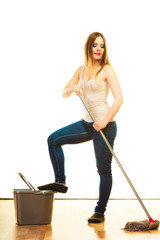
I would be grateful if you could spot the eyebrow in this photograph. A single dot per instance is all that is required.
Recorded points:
(98, 43)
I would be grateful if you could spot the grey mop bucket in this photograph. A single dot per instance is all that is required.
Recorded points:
(32, 207)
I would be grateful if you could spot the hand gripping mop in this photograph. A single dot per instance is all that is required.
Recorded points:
(136, 225)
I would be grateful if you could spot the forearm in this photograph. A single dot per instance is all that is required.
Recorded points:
(67, 92)
(72, 85)
(113, 110)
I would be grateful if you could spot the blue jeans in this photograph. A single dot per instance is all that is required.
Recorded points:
(79, 132)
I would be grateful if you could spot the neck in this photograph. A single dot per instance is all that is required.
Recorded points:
(96, 64)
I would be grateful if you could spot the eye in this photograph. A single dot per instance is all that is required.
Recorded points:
(94, 45)
(102, 46)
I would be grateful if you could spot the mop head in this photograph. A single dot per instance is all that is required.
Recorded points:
(138, 226)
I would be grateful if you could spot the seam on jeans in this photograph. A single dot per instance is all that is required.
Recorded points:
(62, 137)
(70, 135)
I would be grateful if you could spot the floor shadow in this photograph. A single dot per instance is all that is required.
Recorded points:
(98, 229)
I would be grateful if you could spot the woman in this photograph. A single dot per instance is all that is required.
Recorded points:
(92, 80)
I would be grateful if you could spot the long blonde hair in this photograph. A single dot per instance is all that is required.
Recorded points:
(88, 52)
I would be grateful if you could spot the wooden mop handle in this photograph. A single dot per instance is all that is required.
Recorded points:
(115, 157)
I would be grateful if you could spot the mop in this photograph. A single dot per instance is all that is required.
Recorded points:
(135, 226)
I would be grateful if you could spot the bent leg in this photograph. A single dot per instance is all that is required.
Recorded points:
(75, 133)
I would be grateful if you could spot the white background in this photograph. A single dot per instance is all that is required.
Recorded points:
(41, 46)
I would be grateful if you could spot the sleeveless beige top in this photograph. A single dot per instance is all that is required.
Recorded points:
(95, 94)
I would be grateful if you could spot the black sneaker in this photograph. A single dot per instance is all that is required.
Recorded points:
(96, 218)
(55, 187)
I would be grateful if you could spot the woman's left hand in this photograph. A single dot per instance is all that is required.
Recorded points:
(99, 125)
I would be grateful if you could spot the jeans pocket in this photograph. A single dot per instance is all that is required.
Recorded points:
(110, 131)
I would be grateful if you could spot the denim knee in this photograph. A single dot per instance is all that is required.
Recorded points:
(55, 139)
(105, 172)
(51, 139)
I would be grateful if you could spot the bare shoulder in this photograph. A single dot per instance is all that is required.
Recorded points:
(108, 69)
(79, 69)
(109, 73)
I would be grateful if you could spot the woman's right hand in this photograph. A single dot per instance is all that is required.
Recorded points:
(76, 89)
(68, 91)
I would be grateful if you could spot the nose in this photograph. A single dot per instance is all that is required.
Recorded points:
(98, 47)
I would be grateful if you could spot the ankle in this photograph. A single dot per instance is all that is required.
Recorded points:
(60, 183)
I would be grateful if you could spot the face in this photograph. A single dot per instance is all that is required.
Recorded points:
(98, 48)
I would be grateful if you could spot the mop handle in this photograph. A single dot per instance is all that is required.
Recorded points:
(115, 157)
